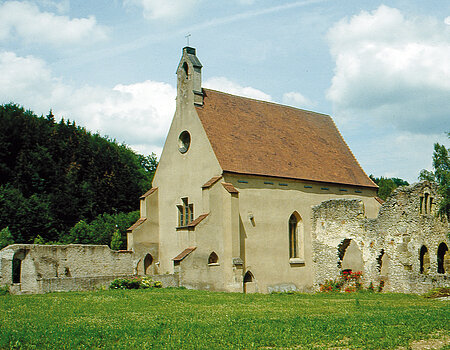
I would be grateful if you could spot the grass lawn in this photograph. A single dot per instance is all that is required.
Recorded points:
(188, 319)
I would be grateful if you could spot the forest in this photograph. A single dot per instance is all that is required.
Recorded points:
(59, 183)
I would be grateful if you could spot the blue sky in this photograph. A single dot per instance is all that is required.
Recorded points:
(380, 69)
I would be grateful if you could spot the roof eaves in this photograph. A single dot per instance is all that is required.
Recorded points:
(230, 188)
(299, 179)
(197, 221)
(136, 224)
(184, 254)
(211, 181)
(148, 193)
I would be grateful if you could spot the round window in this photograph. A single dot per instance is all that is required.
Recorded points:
(184, 140)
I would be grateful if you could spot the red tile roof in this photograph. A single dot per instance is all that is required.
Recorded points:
(197, 221)
(230, 188)
(136, 224)
(211, 181)
(149, 192)
(184, 254)
(379, 200)
(262, 138)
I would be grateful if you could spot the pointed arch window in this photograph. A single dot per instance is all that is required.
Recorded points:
(293, 240)
(248, 277)
(148, 260)
(424, 259)
(442, 257)
(213, 258)
(186, 69)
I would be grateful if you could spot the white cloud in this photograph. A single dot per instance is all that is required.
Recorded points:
(392, 70)
(164, 9)
(225, 85)
(138, 114)
(24, 20)
(447, 20)
(296, 99)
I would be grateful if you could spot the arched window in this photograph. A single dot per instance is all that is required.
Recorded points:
(213, 258)
(424, 259)
(442, 250)
(248, 277)
(148, 260)
(186, 69)
(293, 245)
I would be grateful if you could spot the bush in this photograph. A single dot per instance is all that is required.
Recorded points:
(348, 281)
(135, 283)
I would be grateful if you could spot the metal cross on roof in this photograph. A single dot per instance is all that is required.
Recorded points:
(187, 38)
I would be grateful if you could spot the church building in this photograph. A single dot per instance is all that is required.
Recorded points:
(253, 196)
(232, 197)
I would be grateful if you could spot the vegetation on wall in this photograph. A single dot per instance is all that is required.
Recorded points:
(387, 185)
(441, 175)
(54, 175)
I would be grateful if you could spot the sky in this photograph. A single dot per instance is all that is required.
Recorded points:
(380, 69)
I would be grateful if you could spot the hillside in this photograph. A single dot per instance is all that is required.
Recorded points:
(54, 174)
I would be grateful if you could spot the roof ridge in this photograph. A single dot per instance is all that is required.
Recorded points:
(278, 104)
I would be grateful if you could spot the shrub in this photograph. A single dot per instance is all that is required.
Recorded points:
(347, 281)
(380, 286)
(331, 286)
(135, 283)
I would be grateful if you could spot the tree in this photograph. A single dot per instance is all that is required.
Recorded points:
(116, 240)
(387, 185)
(6, 238)
(441, 175)
(55, 174)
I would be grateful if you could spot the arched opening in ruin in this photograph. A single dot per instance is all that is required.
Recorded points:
(350, 256)
(213, 258)
(380, 260)
(17, 265)
(424, 259)
(148, 260)
(442, 257)
(341, 250)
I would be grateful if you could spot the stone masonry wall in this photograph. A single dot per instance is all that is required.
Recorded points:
(35, 268)
(390, 245)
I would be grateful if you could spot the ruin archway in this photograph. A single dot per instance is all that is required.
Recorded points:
(148, 260)
(350, 256)
(442, 257)
(424, 259)
(17, 265)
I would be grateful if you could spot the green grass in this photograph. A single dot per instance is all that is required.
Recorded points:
(186, 319)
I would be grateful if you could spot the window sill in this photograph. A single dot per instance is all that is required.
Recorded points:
(296, 261)
(214, 264)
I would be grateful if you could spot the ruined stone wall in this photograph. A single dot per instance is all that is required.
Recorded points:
(31, 268)
(407, 224)
(389, 246)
